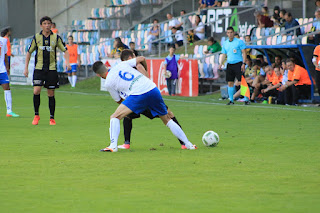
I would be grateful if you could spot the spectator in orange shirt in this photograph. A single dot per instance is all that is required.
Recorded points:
(316, 62)
(272, 89)
(298, 85)
(54, 29)
(6, 33)
(74, 60)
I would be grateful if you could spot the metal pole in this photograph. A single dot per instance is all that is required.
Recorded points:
(304, 8)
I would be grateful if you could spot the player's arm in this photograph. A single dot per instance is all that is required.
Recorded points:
(140, 59)
(79, 60)
(6, 61)
(142, 69)
(222, 58)
(287, 84)
(26, 71)
(67, 56)
(244, 57)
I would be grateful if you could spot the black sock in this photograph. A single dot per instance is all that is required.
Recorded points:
(127, 126)
(176, 121)
(36, 103)
(52, 106)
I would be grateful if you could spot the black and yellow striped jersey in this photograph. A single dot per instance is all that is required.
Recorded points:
(46, 48)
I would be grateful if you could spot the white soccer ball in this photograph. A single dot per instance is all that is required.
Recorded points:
(210, 138)
(167, 74)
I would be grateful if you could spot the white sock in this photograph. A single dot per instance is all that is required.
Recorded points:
(114, 132)
(8, 99)
(178, 132)
(70, 80)
(74, 80)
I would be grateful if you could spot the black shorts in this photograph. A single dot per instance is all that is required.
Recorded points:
(234, 71)
(48, 79)
(179, 43)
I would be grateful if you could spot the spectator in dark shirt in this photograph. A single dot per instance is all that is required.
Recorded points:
(291, 22)
(132, 46)
(263, 21)
(276, 15)
(282, 21)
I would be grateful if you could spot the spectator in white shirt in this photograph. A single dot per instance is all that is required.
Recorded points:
(199, 28)
(173, 22)
(178, 37)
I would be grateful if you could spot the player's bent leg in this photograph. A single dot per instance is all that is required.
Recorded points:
(121, 112)
(177, 131)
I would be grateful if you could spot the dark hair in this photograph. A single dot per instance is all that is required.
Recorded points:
(279, 56)
(45, 18)
(260, 56)
(290, 60)
(257, 63)
(5, 32)
(277, 66)
(96, 67)
(264, 64)
(276, 8)
(174, 28)
(155, 20)
(70, 36)
(284, 60)
(125, 54)
(289, 14)
(266, 8)
(230, 28)
(183, 11)
(198, 17)
(172, 46)
(212, 40)
(283, 11)
(131, 42)
(119, 43)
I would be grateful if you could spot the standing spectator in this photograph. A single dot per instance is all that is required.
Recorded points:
(291, 22)
(45, 73)
(316, 62)
(199, 28)
(4, 78)
(173, 22)
(213, 46)
(153, 33)
(298, 85)
(74, 59)
(185, 23)
(132, 46)
(234, 49)
(263, 21)
(171, 64)
(54, 29)
(6, 33)
(178, 37)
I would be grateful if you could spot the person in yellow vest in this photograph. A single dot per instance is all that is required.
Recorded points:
(74, 60)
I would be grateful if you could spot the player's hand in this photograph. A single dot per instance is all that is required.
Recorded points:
(26, 73)
(220, 65)
(68, 67)
(243, 67)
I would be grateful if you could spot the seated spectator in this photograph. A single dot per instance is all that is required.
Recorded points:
(276, 15)
(317, 5)
(263, 21)
(53, 28)
(213, 46)
(118, 47)
(173, 22)
(291, 22)
(247, 40)
(282, 20)
(284, 72)
(260, 77)
(233, 2)
(178, 37)
(250, 71)
(237, 35)
(153, 34)
(185, 22)
(191, 37)
(132, 46)
(277, 61)
(316, 27)
(298, 85)
(199, 28)
(219, 3)
(273, 88)
(265, 11)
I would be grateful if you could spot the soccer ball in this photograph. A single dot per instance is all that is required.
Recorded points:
(210, 138)
(167, 74)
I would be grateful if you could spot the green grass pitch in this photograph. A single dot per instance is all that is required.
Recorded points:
(267, 159)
